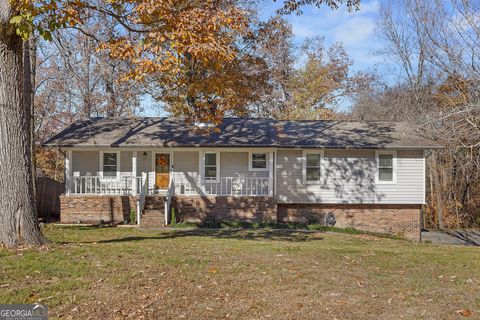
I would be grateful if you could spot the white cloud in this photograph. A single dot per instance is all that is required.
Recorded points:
(356, 30)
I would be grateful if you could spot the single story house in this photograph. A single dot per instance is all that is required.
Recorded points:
(367, 175)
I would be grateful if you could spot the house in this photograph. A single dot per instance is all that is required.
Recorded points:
(367, 175)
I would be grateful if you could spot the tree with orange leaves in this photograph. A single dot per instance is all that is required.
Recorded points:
(157, 36)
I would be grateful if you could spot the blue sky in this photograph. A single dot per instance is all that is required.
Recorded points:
(356, 30)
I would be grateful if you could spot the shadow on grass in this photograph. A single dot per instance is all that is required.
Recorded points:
(240, 234)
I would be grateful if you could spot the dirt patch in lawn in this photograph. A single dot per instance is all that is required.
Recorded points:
(114, 273)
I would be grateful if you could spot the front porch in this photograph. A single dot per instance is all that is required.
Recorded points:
(111, 184)
(181, 172)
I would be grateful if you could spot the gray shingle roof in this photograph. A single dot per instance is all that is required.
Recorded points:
(238, 132)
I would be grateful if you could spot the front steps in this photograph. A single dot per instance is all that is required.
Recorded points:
(154, 212)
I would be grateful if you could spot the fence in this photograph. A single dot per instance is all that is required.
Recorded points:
(48, 193)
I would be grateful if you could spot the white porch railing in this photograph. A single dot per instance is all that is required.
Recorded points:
(104, 185)
(239, 186)
(180, 185)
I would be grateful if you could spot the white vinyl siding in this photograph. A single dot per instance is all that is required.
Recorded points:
(185, 164)
(144, 162)
(126, 163)
(235, 164)
(85, 163)
(348, 176)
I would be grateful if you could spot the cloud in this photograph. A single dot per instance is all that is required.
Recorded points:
(356, 30)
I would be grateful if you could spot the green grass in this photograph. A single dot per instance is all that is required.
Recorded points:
(276, 226)
(103, 273)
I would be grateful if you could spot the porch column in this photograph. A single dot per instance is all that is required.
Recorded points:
(68, 171)
(270, 173)
(134, 172)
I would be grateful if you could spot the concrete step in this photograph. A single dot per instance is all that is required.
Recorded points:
(152, 223)
(155, 197)
(151, 207)
(155, 203)
(159, 213)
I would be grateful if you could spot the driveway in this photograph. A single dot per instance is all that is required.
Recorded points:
(458, 237)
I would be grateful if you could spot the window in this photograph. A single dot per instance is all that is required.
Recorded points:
(110, 164)
(211, 165)
(386, 167)
(312, 167)
(258, 162)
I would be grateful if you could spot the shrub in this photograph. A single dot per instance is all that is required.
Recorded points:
(174, 218)
(133, 217)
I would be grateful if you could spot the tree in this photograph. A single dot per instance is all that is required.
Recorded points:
(18, 220)
(435, 43)
(325, 78)
(154, 35)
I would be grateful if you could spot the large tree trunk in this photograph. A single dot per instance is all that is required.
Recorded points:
(18, 218)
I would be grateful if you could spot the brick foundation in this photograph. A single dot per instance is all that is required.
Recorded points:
(225, 208)
(403, 220)
(92, 209)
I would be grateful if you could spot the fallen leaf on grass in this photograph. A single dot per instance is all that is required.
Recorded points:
(44, 299)
(465, 312)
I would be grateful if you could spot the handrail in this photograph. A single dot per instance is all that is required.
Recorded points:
(142, 196)
(170, 194)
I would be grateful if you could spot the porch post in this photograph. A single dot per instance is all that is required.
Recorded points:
(68, 171)
(270, 173)
(134, 172)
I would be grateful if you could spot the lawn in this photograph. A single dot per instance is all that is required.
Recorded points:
(114, 273)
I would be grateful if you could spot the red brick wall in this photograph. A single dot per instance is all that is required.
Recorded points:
(403, 220)
(92, 209)
(224, 208)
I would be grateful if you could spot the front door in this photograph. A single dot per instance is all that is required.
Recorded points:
(162, 170)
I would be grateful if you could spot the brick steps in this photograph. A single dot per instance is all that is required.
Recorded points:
(154, 212)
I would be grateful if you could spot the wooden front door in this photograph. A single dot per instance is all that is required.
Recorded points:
(162, 170)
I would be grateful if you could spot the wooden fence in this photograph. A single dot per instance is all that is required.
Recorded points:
(48, 197)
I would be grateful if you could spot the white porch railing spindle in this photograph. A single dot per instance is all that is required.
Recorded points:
(239, 186)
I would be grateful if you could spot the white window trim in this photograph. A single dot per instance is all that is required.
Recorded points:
(250, 158)
(202, 165)
(377, 165)
(304, 166)
(100, 171)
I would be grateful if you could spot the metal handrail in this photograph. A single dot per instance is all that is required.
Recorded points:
(142, 196)
(170, 194)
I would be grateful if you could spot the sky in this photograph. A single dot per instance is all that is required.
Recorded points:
(355, 29)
